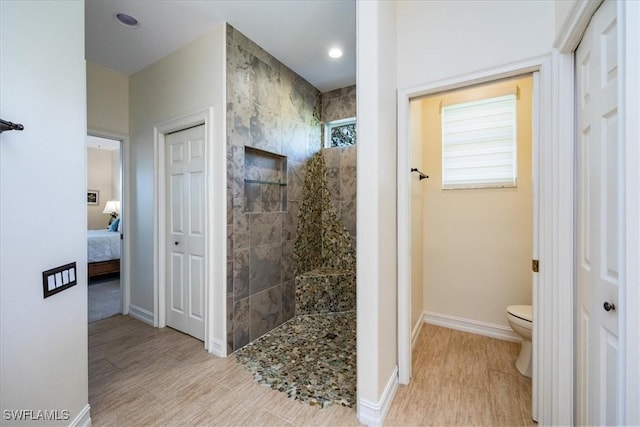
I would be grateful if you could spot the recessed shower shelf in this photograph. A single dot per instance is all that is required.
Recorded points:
(256, 181)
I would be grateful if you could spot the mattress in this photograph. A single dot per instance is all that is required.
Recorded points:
(102, 245)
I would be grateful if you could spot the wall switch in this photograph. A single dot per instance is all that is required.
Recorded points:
(58, 279)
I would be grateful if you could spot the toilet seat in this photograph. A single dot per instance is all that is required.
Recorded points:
(523, 312)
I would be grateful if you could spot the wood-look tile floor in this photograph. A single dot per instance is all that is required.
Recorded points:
(462, 379)
(144, 376)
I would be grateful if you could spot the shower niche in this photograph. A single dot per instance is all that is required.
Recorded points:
(265, 181)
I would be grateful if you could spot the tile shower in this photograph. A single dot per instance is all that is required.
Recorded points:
(274, 137)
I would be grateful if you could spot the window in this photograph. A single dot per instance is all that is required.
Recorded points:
(479, 144)
(340, 133)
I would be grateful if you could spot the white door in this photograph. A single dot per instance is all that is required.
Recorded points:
(185, 213)
(598, 215)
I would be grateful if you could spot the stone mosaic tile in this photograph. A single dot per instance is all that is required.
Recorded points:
(325, 290)
(288, 300)
(312, 358)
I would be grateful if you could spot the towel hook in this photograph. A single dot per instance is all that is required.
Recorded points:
(5, 125)
(422, 175)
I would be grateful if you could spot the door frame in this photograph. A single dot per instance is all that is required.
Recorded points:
(553, 398)
(215, 228)
(552, 241)
(628, 16)
(125, 278)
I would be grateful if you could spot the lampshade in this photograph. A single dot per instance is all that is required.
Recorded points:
(112, 207)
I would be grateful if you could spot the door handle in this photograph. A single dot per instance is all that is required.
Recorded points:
(609, 306)
(175, 243)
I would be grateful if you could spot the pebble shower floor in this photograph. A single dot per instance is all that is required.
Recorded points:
(311, 357)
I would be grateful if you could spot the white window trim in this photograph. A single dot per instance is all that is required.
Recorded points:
(334, 123)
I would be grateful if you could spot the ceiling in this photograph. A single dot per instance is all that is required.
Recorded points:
(298, 33)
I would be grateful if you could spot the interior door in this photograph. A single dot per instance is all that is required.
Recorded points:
(185, 213)
(598, 215)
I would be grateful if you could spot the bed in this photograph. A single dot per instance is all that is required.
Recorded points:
(103, 252)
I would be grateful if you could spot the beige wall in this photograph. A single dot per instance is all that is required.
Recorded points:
(188, 80)
(107, 100)
(101, 165)
(477, 242)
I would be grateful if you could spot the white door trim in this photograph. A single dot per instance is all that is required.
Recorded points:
(125, 278)
(564, 47)
(542, 159)
(630, 298)
(215, 228)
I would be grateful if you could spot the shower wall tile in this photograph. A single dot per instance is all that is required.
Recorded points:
(290, 221)
(348, 217)
(230, 274)
(348, 183)
(241, 323)
(253, 193)
(241, 275)
(270, 108)
(266, 311)
(235, 166)
(339, 104)
(265, 267)
(240, 225)
(229, 325)
(271, 198)
(266, 228)
(333, 181)
(295, 180)
(264, 128)
(288, 267)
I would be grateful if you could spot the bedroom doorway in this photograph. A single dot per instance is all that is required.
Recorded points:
(104, 227)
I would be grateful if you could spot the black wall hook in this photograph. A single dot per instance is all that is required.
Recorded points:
(422, 176)
(5, 125)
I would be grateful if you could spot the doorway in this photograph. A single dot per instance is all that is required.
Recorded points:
(538, 67)
(185, 222)
(105, 248)
(477, 206)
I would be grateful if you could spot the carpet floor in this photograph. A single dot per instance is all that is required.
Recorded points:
(104, 297)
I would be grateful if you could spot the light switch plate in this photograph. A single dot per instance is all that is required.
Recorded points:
(58, 279)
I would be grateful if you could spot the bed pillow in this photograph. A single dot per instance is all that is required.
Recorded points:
(119, 225)
(114, 225)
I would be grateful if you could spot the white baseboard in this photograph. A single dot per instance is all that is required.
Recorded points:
(473, 326)
(141, 314)
(216, 348)
(373, 414)
(83, 419)
(416, 331)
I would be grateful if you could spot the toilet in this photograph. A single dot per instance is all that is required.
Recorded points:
(521, 321)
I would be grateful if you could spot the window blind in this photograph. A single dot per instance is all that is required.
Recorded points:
(479, 143)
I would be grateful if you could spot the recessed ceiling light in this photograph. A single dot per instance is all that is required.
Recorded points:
(335, 52)
(126, 20)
